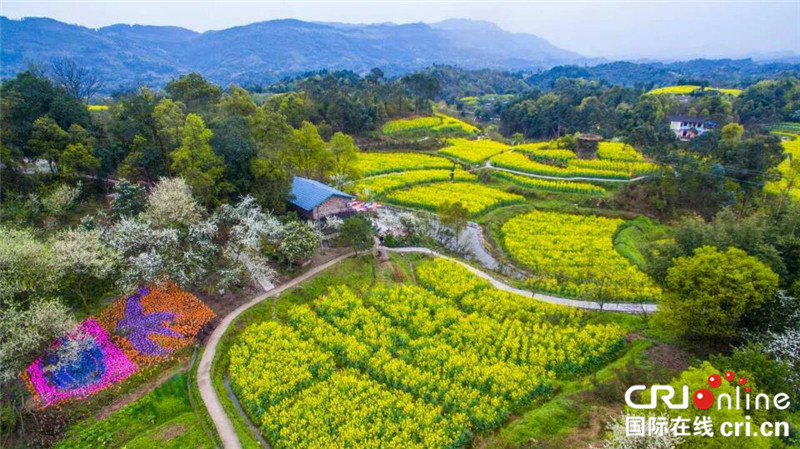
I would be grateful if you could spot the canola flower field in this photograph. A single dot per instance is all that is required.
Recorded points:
(439, 125)
(574, 255)
(379, 185)
(685, 89)
(370, 164)
(551, 185)
(473, 151)
(789, 183)
(477, 198)
(412, 366)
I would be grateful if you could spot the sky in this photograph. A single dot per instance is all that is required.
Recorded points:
(676, 29)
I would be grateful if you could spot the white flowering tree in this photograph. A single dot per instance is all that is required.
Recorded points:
(171, 204)
(250, 231)
(60, 200)
(84, 261)
(26, 267)
(299, 241)
(151, 254)
(25, 332)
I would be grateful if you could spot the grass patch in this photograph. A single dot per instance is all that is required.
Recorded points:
(163, 418)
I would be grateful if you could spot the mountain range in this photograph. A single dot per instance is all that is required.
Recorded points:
(262, 52)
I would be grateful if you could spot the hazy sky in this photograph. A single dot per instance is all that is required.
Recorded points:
(663, 29)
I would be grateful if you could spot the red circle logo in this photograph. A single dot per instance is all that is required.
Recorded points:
(703, 399)
(714, 381)
(729, 375)
(742, 381)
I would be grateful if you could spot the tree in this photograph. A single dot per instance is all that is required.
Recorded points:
(193, 91)
(171, 204)
(84, 261)
(250, 232)
(48, 140)
(237, 103)
(344, 155)
(708, 294)
(307, 152)
(26, 332)
(168, 119)
(78, 157)
(272, 173)
(130, 199)
(196, 162)
(79, 82)
(26, 268)
(298, 242)
(732, 132)
(356, 232)
(696, 378)
(61, 200)
(454, 216)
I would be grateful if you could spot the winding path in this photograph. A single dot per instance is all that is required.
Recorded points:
(225, 429)
(589, 305)
(224, 425)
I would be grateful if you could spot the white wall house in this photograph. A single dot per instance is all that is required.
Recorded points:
(687, 128)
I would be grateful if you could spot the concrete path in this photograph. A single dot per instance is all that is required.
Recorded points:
(225, 429)
(590, 305)
(558, 178)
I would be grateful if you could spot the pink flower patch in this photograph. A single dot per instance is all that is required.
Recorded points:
(106, 362)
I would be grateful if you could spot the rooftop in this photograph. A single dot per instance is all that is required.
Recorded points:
(308, 194)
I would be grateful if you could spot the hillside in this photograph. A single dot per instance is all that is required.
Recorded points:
(266, 51)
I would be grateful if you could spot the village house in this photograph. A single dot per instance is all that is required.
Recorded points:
(314, 200)
(687, 128)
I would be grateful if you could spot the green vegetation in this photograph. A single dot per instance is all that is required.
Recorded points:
(164, 417)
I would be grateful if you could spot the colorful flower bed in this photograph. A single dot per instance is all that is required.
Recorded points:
(98, 364)
(144, 328)
(154, 322)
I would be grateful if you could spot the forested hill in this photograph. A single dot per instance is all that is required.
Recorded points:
(261, 52)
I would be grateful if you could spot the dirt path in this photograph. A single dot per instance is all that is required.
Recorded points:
(225, 429)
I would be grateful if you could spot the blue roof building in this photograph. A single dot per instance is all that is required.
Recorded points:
(315, 200)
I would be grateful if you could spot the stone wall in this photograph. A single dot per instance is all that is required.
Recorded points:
(332, 206)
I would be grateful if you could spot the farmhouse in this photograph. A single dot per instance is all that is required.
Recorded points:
(314, 200)
(687, 128)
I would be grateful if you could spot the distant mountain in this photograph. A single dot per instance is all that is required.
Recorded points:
(266, 51)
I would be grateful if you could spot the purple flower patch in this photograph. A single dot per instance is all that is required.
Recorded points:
(136, 326)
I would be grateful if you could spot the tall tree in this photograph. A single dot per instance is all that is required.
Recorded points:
(194, 91)
(343, 155)
(272, 173)
(196, 162)
(307, 152)
(48, 141)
